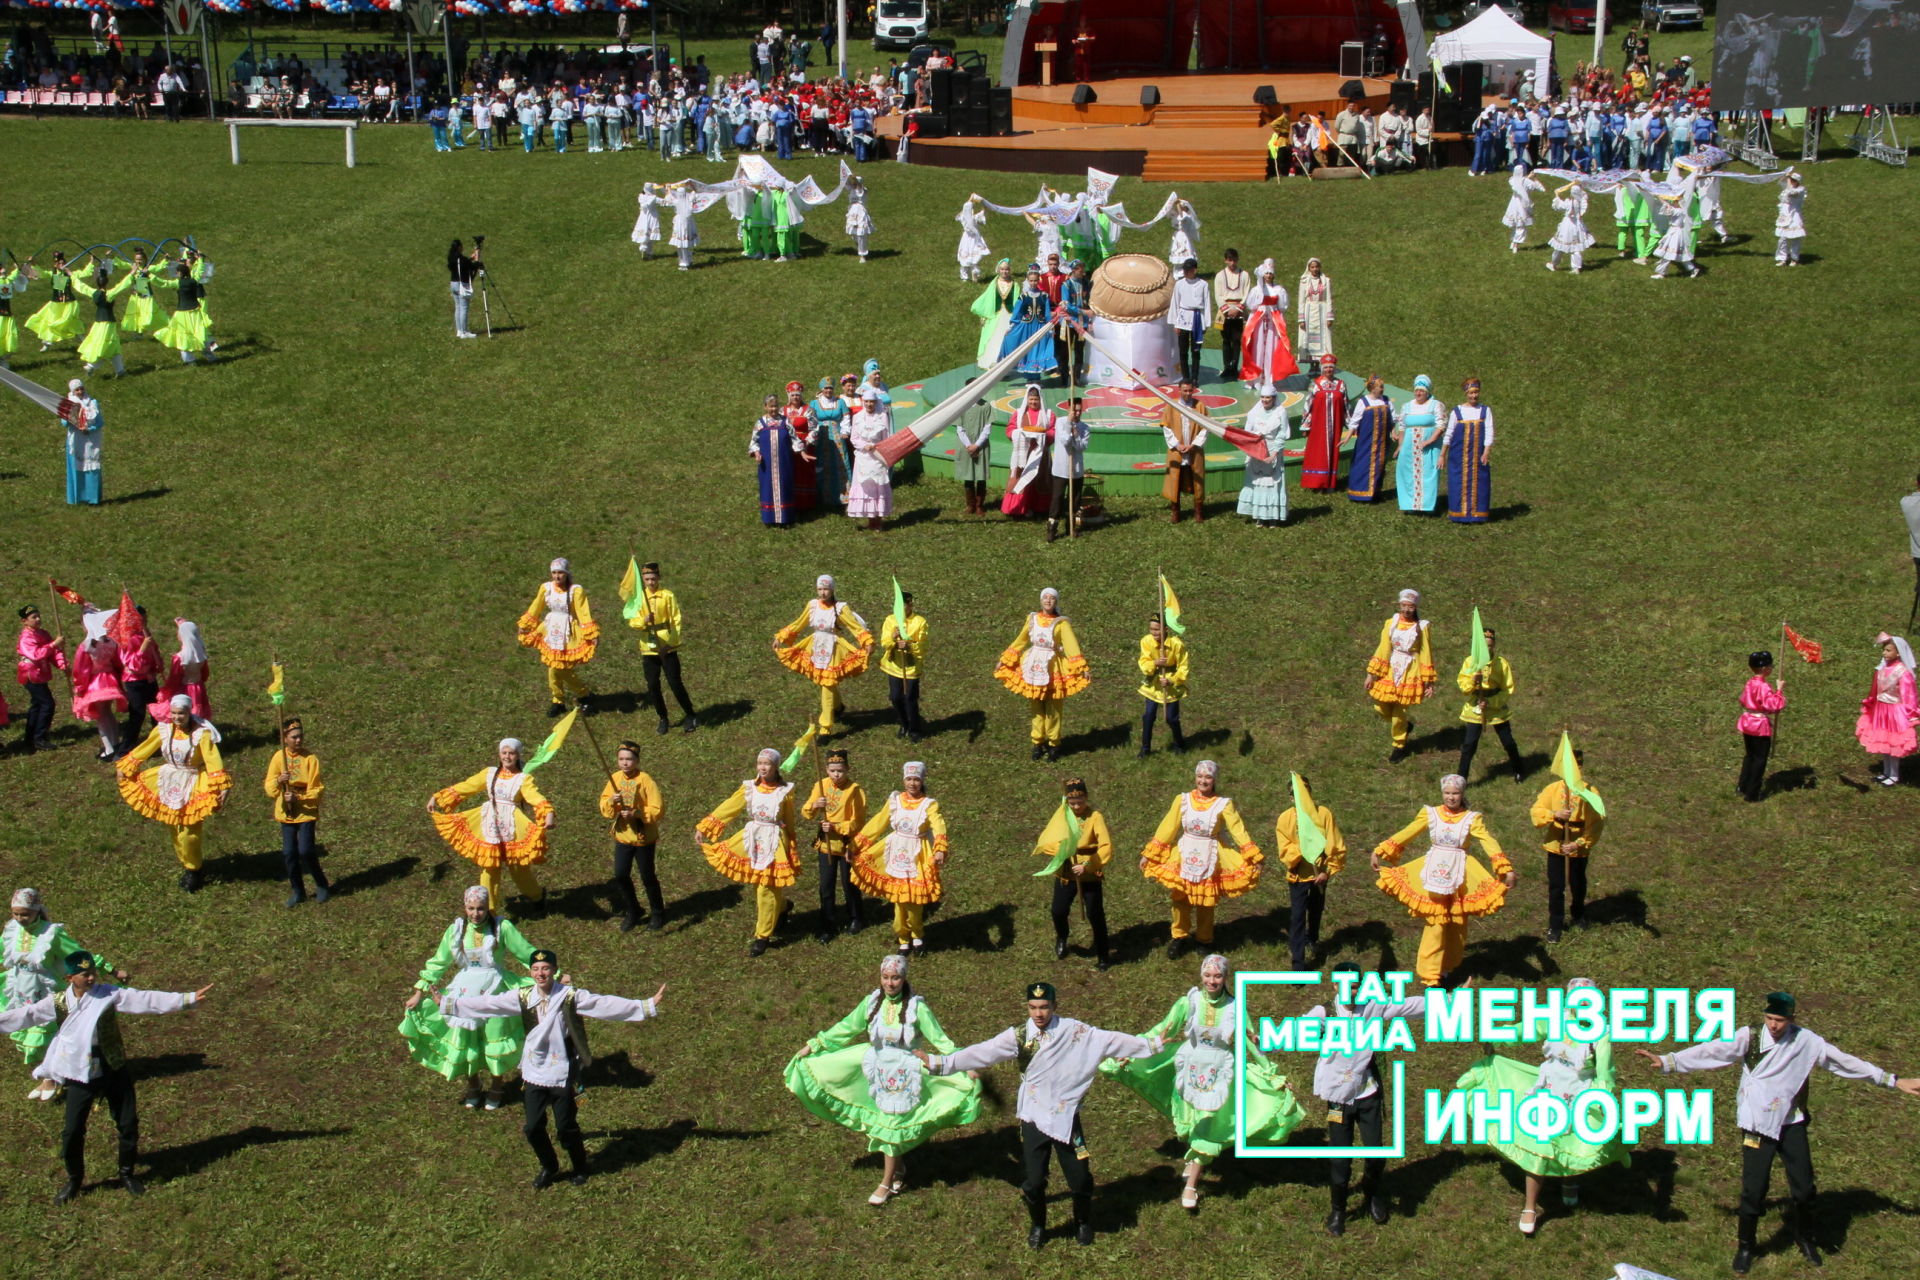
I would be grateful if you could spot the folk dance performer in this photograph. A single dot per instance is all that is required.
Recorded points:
(1200, 853)
(1488, 689)
(646, 227)
(559, 625)
(1569, 828)
(1029, 466)
(141, 316)
(1571, 238)
(40, 654)
(1416, 469)
(859, 224)
(1265, 356)
(1191, 1081)
(659, 622)
(1326, 419)
(838, 806)
(828, 644)
(1760, 702)
(1778, 1058)
(778, 455)
(1307, 881)
(684, 234)
(97, 696)
(507, 829)
(1349, 1083)
(293, 784)
(471, 959)
(1067, 461)
(1164, 668)
(1400, 675)
(1189, 313)
(1371, 427)
(1519, 212)
(899, 855)
(1263, 495)
(1314, 313)
(1186, 453)
(860, 1073)
(1465, 451)
(13, 283)
(809, 491)
(870, 491)
(188, 786)
(1231, 286)
(632, 800)
(994, 306)
(34, 951)
(1059, 1058)
(84, 423)
(1073, 311)
(1032, 313)
(900, 657)
(554, 1054)
(1080, 870)
(1789, 226)
(1044, 665)
(973, 459)
(763, 852)
(102, 340)
(59, 317)
(188, 330)
(1676, 236)
(86, 1058)
(832, 414)
(1444, 888)
(973, 242)
(1888, 714)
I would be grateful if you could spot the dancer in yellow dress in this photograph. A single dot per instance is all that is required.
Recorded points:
(188, 785)
(1200, 854)
(508, 828)
(1400, 674)
(762, 852)
(1044, 665)
(560, 625)
(828, 643)
(1444, 888)
(899, 854)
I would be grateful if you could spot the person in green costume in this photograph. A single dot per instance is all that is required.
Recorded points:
(33, 952)
(1191, 1079)
(13, 283)
(756, 227)
(469, 962)
(787, 221)
(190, 330)
(1567, 1070)
(861, 1073)
(1632, 223)
(141, 316)
(994, 306)
(103, 335)
(59, 317)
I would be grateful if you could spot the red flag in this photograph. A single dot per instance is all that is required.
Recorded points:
(67, 593)
(127, 628)
(1808, 649)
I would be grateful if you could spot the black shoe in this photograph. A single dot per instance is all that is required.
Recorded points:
(545, 1178)
(1036, 1236)
(193, 882)
(132, 1183)
(67, 1192)
(1519, 775)
(1143, 752)
(628, 921)
(854, 926)
(662, 728)
(555, 710)
(1060, 949)
(295, 898)
(1803, 1237)
(1175, 947)
(1039, 750)
(1377, 1208)
(1553, 935)
(914, 736)
(1298, 963)
(823, 937)
(1398, 754)
(186, 881)
(655, 923)
(584, 704)
(759, 947)
(1102, 965)
(578, 1177)
(1053, 753)
(690, 724)
(1743, 1258)
(1083, 1232)
(1337, 1221)
(900, 732)
(321, 893)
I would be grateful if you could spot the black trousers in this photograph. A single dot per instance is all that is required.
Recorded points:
(1362, 1114)
(652, 667)
(904, 694)
(1075, 1163)
(836, 877)
(1565, 875)
(1060, 504)
(1756, 1168)
(140, 695)
(39, 716)
(1753, 769)
(1092, 894)
(1149, 710)
(1230, 331)
(625, 858)
(1472, 744)
(1190, 345)
(1074, 361)
(115, 1088)
(566, 1122)
(297, 855)
(1306, 901)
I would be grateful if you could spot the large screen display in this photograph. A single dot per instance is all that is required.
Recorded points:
(1815, 53)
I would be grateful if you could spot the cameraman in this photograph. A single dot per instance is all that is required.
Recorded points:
(462, 269)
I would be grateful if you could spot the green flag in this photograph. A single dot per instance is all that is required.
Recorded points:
(277, 690)
(1068, 843)
(1567, 769)
(1170, 607)
(551, 747)
(630, 591)
(1313, 841)
(899, 613)
(792, 761)
(1477, 656)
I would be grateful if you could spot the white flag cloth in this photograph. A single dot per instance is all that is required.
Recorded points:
(51, 401)
(943, 415)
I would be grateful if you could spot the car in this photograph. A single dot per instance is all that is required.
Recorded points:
(1665, 15)
(899, 24)
(1575, 16)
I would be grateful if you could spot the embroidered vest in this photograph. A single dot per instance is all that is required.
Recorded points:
(573, 1026)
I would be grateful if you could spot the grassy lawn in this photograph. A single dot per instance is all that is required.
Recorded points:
(1682, 465)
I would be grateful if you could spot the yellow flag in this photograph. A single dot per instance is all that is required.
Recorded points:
(277, 691)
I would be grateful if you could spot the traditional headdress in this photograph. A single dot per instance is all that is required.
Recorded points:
(1453, 780)
(894, 964)
(560, 564)
(1215, 961)
(914, 769)
(824, 580)
(543, 954)
(192, 647)
(1409, 596)
(1207, 767)
(1040, 991)
(74, 384)
(29, 900)
(83, 962)
(793, 387)
(1780, 1003)
(475, 896)
(509, 744)
(1423, 382)
(768, 753)
(1049, 593)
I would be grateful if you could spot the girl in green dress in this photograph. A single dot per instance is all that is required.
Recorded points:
(141, 316)
(1191, 1080)
(994, 306)
(103, 335)
(59, 317)
(33, 952)
(470, 961)
(861, 1073)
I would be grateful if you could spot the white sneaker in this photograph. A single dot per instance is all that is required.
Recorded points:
(1551, 267)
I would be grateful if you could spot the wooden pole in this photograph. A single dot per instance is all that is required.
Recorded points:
(280, 714)
(53, 598)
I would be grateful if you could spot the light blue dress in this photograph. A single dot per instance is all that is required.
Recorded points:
(1417, 472)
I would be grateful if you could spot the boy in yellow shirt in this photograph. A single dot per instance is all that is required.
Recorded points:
(839, 805)
(1307, 881)
(1163, 683)
(900, 658)
(633, 801)
(1083, 874)
(658, 623)
(293, 782)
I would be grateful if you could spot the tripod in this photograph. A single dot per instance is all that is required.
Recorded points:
(486, 305)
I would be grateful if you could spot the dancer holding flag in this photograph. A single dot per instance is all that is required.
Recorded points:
(1444, 888)
(654, 612)
(1163, 671)
(1326, 418)
(1186, 451)
(899, 854)
(1760, 702)
(828, 644)
(188, 786)
(1569, 816)
(903, 646)
(1200, 853)
(1078, 847)
(1044, 665)
(762, 853)
(293, 784)
(632, 800)
(838, 805)
(559, 625)
(1309, 842)
(1486, 679)
(509, 827)
(1400, 674)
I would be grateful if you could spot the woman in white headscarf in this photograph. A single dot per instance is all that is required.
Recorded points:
(97, 695)
(1313, 314)
(646, 227)
(973, 242)
(1888, 713)
(1263, 497)
(828, 644)
(508, 828)
(1044, 665)
(187, 673)
(1401, 674)
(189, 785)
(1519, 213)
(1571, 238)
(762, 852)
(559, 625)
(1444, 888)
(1417, 437)
(1030, 428)
(870, 491)
(1265, 354)
(34, 951)
(471, 960)
(1200, 853)
(899, 854)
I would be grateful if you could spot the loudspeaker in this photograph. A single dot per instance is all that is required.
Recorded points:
(940, 89)
(1400, 94)
(1352, 89)
(979, 118)
(1002, 112)
(1469, 82)
(1353, 59)
(1149, 95)
(1423, 90)
(1084, 94)
(1264, 96)
(933, 124)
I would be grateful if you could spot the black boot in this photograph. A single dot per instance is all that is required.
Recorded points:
(68, 1192)
(1337, 1211)
(1743, 1251)
(1083, 1218)
(1800, 1216)
(629, 904)
(134, 1186)
(1037, 1222)
(1377, 1207)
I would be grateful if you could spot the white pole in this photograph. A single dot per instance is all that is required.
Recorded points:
(841, 43)
(1599, 29)
(233, 141)
(350, 129)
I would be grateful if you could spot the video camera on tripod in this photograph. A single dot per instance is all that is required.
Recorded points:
(487, 288)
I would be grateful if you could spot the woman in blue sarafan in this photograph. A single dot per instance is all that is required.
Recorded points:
(1032, 312)
(775, 447)
(830, 411)
(1464, 452)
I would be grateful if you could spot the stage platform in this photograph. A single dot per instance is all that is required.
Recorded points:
(1206, 128)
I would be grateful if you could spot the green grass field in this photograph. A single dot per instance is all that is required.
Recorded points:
(1682, 465)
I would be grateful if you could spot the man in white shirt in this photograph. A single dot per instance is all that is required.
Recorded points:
(172, 90)
(1230, 288)
(1776, 1060)
(555, 1053)
(1069, 467)
(1059, 1058)
(1189, 313)
(1423, 154)
(1349, 1083)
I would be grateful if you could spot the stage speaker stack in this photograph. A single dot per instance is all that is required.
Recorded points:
(940, 89)
(1084, 94)
(979, 117)
(1353, 59)
(961, 92)
(1423, 90)
(934, 124)
(1400, 94)
(1150, 95)
(1455, 111)
(1002, 111)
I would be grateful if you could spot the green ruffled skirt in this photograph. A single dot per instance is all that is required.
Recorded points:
(833, 1086)
(454, 1052)
(185, 331)
(1566, 1156)
(1272, 1111)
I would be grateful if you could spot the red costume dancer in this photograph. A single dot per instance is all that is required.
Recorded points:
(801, 422)
(1326, 419)
(1265, 353)
(1029, 473)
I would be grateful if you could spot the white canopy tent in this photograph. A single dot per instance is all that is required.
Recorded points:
(1501, 45)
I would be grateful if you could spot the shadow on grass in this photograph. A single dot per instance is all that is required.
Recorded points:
(695, 907)
(617, 1071)
(986, 931)
(1268, 929)
(189, 1158)
(1799, 778)
(908, 519)
(1300, 515)
(1115, 735)
(723, 712)
(1512, 511)
(375, 876)
(972, 723)
(1137, 941)
(13, 475)
(1410, 1185)
(1369, 936)
(642, 1144)
(1624, 907)
(590, 901)
(243, 867)
(168, 1064)
(1522, 958)
(1834, 1212)
(988, 1155)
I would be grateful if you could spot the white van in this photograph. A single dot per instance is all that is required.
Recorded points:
(899, 24)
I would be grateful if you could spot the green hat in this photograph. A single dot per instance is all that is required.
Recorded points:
(1781, 1003)
(80, 962)
(1040, 991)
(545, 955)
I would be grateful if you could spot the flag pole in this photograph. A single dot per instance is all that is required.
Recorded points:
(53, 598)
(280, 715)
(1773, 717)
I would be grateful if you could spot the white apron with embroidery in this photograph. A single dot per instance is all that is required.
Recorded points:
(559, 617)
(1445, 869)
(760, 838)
(904, 839)
(1037, 662)
(29, 977)
(1199, 851)
(1029, 448)
(503, 799)
(477, 974)
(825, 621)
(178, 774)
(892, 1072)
(1403, 640)
(1203, 1064)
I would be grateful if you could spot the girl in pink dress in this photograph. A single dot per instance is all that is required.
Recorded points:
(1888, 713)
(187, 673)
(97, 696)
